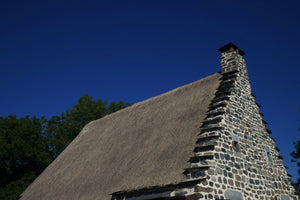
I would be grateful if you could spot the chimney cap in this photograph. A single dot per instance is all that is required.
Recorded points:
(229, 46)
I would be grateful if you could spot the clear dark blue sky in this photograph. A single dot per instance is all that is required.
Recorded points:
(51, 52)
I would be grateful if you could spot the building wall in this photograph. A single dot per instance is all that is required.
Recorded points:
(246, 163)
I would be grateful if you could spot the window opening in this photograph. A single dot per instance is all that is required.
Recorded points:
(269, 157)
(236, 144)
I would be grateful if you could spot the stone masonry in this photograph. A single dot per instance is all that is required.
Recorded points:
(235, 149)
(235, 157)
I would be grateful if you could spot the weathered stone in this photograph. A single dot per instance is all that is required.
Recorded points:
(285, 197)
(194, 196)
(227, 157)
(203, 189)
(238, 178)
(244, 155)
(219, 179)
(231, 194)
(225, 173)
(210, 172)
(217, 156)
(213, 179)
(204, 183)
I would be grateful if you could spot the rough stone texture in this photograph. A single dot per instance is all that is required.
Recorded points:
(285, 197)
(235, 157)
(231, 194)
(203, 189)
(245, 156)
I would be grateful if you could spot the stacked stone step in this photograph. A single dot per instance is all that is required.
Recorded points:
(203, 157)
(211, 127)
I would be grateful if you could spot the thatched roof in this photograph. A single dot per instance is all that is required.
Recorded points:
(147, 144)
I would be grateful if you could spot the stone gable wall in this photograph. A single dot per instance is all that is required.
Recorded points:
(246, 163)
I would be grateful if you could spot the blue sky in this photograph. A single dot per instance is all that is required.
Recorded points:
(51, 52)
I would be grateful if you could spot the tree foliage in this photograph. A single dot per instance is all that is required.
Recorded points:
(61, 130)
(296, 155)
(23, 153)
(29, 144)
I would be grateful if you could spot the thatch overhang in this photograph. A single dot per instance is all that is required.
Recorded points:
(147, 144)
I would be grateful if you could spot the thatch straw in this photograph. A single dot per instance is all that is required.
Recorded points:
(144, 145)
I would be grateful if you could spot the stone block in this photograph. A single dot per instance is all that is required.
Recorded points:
(232, 194)
(203, 189)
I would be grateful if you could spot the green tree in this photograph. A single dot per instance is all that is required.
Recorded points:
(296, 155)
(29, 144)
(24, 153)
(61, 130)
(115, 106)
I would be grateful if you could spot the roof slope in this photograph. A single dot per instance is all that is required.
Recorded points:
(144, 145)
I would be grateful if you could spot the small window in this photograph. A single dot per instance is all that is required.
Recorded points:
(269, 156)
(236, 146)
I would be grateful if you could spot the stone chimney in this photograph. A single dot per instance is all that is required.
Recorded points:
(231, 58)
